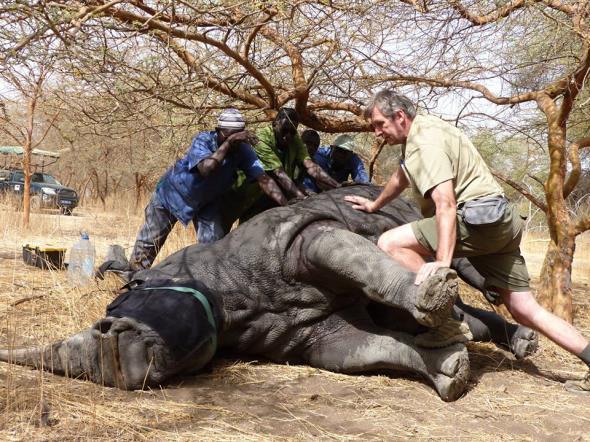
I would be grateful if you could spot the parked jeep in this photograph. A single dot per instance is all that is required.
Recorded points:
(46, 191)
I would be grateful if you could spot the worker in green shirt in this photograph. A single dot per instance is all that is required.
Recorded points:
(283, 156)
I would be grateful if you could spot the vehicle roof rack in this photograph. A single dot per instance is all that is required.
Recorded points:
(12, 157)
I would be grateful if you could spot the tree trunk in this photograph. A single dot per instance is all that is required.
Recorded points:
(555, 291)
(28, 148)
(116, 184)
(555, 287)
(105, 192)
(140, 180)
(376, 149)
(83, 188)
(27, 184)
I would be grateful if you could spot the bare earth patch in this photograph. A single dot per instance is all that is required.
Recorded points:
(257, 400)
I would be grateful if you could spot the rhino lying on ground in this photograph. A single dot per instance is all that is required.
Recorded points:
(302, 284)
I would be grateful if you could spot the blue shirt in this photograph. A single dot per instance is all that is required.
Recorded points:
(354, 168)
(184, 192)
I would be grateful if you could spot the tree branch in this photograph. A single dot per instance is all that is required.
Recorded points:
(446, 83)
(151, 24)
(582, 225)
(536, 179)
(209, 80)
(300, 86)
(574, 157)
(521, 189)
(505, 10)
(374, 157)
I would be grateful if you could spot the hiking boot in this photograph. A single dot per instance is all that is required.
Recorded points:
(579, 386)
(450, 332)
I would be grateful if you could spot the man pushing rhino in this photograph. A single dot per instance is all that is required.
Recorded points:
(466, 215)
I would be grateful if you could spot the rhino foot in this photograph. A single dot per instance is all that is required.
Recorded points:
(524, 342)
(448, 370)
(435, 297)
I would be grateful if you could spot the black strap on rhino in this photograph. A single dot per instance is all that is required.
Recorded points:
(202, 299)
(181, 315)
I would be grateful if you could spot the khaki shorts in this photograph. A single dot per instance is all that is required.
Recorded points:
(494, 250)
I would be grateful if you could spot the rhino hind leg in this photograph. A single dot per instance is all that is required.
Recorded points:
(524, 342)
(355, 349)
(487, 326)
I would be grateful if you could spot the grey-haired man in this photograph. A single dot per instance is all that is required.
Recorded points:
(466, 215)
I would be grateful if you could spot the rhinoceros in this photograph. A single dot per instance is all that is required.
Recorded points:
(305, 283)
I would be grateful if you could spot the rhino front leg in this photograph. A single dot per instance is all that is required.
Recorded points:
(343, 261)
(116, 352)
(487, 326)
(363, 347)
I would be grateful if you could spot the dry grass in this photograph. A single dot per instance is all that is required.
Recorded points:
(254, 400)
(535, 246)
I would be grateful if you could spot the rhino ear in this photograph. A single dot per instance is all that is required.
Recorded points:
(115, 262)
(123, 271)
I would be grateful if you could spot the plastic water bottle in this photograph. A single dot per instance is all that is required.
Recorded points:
(81, 265)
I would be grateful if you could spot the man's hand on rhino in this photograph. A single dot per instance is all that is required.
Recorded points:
(427, 270)
(361, 203)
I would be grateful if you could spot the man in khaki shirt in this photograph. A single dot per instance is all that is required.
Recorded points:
(466, 215)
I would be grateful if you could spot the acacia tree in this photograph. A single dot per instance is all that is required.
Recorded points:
(326, 59)
(25, 78)
(555, 94)
(118, 142)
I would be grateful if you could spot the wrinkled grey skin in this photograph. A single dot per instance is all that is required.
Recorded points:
(296, 284)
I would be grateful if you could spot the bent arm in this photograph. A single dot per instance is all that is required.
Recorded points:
(443, 195)
(272, 189)
(211, 163)
(359, 174)
(396, 185)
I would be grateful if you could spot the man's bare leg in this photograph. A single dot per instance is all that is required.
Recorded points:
(401, 244)
(526, 311)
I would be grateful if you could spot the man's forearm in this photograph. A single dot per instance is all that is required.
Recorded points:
(317, 173)
(287, 183)
(396, 185)
(272, 189)
(211, 163)
(446, 226)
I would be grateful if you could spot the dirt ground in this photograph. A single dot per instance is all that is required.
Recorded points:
(256, 400)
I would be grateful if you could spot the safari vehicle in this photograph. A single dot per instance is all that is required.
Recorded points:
(46, 191)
